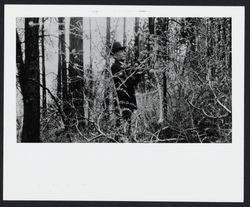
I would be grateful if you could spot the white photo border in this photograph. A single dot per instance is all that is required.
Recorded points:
(123, 172)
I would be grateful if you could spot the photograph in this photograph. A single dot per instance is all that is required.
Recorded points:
(124, 79)
(140, 104)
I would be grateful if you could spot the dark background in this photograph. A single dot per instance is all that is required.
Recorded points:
(137, 204)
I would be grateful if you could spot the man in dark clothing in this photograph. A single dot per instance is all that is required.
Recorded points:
(125, 79)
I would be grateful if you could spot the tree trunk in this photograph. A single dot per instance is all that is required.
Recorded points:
(165, 100)
(62, 89)
(91, 98)
(227, 41)
(19, 57)
(137, 36)
(43, 67)
(124, 32)
(106, 73)
(29, 80)
(151, 25)
(76, 71)
(209, 49)
(59, 71)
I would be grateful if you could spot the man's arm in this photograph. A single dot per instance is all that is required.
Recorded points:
(139, 72)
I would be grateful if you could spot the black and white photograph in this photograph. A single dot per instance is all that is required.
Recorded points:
(124, 79)
(113, 103)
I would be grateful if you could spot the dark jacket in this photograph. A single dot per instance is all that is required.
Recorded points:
(125, 80)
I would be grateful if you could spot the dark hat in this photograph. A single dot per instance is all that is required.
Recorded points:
(116, 47)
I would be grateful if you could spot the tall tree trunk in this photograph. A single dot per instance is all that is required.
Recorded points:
(90, 71)
(124, 32)
(62, 89)
(137, 36)
(151, 25)
(106, 73)
(19, 57)
(43, 67)
(29, 81)
(59, 70)
(224, 36)
(227, 36)
(209, 48)
(165, 100)
(90, 44)
(76, 71)
(164, 97)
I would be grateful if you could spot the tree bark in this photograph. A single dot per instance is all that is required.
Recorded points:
(106, 73)
(43, 67)
(62, 89)
(165, 100)
(29, 76)
(59, 71)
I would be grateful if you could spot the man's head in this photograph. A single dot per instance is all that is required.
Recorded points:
(118, 51)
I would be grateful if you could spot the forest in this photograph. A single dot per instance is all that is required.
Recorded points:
(66, 91)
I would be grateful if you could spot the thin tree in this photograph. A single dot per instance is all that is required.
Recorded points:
(59, 70)
(90, 71)
(137, 49)
(44, 100)
(62, 76)
(124, 32)
(162, 33)
(106, 72)
(227, 24)
(29, 77)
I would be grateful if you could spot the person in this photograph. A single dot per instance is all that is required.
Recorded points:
(125, 80)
